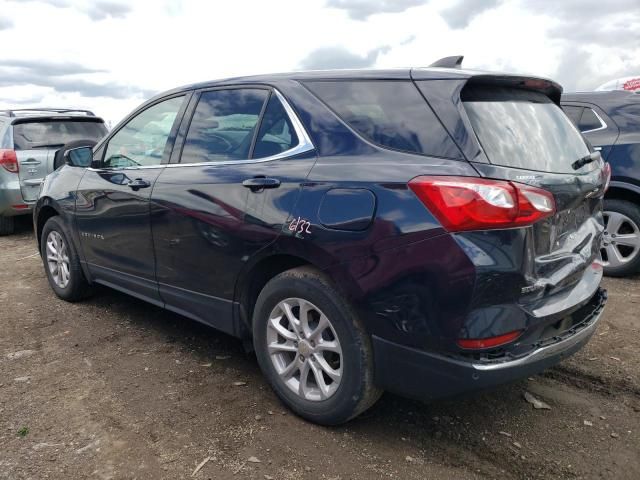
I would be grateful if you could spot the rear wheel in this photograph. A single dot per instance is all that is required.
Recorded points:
(61, 262)
(312, 348)
(621, 240)
(6, 225)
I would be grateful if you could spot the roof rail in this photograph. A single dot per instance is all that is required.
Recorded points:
(14, 112)
(448, 62)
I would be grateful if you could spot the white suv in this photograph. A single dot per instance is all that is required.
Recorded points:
(29, 139)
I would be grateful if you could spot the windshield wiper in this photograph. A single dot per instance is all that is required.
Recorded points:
(581, 162)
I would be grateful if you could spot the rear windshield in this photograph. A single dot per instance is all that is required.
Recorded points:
(390, 113)
(53, 133)
(523, 129)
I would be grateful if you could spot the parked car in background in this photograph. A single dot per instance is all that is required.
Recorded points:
(427, 231)
(29, 139)
(611, 122)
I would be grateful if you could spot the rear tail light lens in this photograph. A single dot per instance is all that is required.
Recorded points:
(469, 203)
(491, 342)
(9, 161)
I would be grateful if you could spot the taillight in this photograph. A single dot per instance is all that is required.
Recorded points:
(469, 203)
(606, 176)
(491, 342)
(9, 161)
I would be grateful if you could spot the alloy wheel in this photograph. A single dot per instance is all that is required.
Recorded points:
(58, 259)
(621, 239)
(304, 349)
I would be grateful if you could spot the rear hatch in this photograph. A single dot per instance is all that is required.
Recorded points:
(36, 140)
(525, 137)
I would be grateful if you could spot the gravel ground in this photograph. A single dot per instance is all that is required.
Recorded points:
(114, 388)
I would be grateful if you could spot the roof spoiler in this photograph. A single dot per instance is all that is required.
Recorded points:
(448, 62)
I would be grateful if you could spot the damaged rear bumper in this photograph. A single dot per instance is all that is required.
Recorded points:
(426, 375)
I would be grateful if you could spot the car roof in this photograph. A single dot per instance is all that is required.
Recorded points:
(426, 73)
(602, 98)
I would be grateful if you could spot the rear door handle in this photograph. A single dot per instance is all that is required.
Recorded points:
(258, 183)
(138, 183)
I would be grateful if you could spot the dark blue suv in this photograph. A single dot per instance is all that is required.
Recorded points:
(428, 231)
(611, 122)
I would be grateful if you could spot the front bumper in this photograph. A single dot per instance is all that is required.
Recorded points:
(426, 375)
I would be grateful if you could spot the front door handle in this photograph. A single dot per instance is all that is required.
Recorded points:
(258, 183)
(138, 183)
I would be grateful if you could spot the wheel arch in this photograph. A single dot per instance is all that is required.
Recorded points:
(253, 280)
(45, 210)
(623, 191)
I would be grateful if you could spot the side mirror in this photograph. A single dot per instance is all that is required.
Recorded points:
(78, 157)
(78, 153)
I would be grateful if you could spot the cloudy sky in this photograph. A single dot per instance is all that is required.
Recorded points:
(110, 55)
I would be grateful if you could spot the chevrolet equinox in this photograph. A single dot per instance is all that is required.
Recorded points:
(428, 232)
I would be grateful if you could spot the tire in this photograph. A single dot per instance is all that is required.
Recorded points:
(621, 240)
(6, 225)
(341, 400)
(76, 286)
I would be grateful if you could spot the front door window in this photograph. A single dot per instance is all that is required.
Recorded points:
(143, 140)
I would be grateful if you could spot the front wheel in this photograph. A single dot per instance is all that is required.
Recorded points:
(312, 348)
(621, 239)
(61, 262)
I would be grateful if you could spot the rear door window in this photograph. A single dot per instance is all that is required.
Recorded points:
(574, 113)
(392, 114)
(53, 133)
(276, 134)
(589, 121)
(223, 125)
(523, 129)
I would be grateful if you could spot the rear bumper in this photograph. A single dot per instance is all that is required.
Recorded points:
(426, 375)
(11, 199)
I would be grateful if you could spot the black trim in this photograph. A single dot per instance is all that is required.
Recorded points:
(133, 285)
(212, 311)
(258, 125)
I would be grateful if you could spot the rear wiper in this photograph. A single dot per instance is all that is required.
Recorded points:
(581, 162)
(47, 145)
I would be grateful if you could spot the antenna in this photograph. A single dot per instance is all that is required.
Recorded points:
(448, 62)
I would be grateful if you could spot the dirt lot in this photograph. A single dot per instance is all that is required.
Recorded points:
(115, 388)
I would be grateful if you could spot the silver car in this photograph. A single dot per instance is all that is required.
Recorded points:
(29, 139)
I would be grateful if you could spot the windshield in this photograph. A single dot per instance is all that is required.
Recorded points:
(51, 133)
(524, 129)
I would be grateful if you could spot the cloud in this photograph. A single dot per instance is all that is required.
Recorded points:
(32, 100)
(96, 10)
(578, 70)
(408, 40)
(597, 41)
(614, 23)
(362, 9)
(45, 67)
(6, 23)
(105, 9)
(464, 11)
(581, 9)
(339, 57)
(62, 77)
